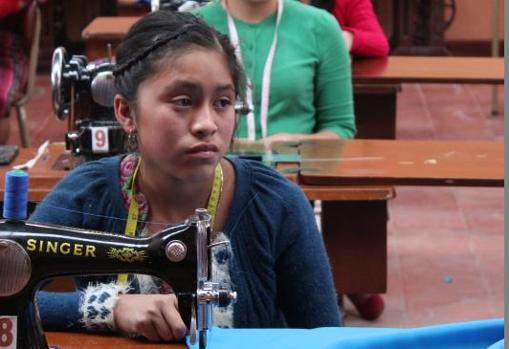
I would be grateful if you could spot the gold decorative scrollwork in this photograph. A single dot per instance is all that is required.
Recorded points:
(127, 254)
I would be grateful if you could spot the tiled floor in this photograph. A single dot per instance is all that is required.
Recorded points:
(445, 245)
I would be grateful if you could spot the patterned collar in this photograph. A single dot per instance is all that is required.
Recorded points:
(127, 166)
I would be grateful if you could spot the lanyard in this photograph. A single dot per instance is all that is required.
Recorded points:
(264, 105)
(132, 216)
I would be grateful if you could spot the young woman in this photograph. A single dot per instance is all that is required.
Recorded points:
(297, 64)
(177, 82)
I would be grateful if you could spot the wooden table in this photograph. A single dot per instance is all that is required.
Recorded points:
(68, 340)
(406, 69)
(55, 163)
(103, 31)
(43, 176)
(378, 80)
(385, 162)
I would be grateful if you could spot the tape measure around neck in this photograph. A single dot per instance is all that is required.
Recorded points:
(132, 217)
(267, 70)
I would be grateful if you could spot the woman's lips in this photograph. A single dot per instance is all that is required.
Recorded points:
(203, 148)
(203, 151)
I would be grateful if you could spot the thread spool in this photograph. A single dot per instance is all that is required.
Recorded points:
(16, 195)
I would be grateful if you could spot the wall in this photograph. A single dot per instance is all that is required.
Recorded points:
(473, 21)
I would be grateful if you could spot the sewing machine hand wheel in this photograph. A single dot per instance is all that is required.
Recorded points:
(57, 66)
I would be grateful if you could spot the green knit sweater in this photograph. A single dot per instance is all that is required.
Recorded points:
(311, 87)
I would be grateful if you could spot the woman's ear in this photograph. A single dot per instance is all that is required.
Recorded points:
(124, 113)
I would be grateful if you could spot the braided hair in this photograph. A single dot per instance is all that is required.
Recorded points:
(164, 35)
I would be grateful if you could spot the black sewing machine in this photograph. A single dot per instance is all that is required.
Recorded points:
(83, 94)
(31, 253)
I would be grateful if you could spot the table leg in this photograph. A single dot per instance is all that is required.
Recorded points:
(355, 235)
(375, 111)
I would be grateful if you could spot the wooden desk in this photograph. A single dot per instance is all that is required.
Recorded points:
(49, 169)
(43, 176)
(68, 340)
(377, 81)
(103, 31)
(448, 70)
(385, 162)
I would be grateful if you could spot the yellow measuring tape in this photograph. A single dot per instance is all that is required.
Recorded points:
(132, 216)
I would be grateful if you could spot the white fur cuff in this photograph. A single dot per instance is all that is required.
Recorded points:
(99, 301)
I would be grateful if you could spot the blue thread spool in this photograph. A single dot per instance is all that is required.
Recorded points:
(16, 195)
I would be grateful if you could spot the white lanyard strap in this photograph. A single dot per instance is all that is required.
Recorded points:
(264, 105)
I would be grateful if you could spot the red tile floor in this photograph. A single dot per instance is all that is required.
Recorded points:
(445, 245)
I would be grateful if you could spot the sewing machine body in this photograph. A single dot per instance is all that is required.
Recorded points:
(31, 253)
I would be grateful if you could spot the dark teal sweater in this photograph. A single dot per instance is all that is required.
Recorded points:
(279, 266)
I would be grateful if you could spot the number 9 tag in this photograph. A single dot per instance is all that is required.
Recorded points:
(100, 141)
(8, 332)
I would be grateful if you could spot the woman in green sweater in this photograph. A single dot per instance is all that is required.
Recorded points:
(298, 66)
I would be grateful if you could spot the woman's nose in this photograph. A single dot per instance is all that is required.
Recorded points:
(203, 123)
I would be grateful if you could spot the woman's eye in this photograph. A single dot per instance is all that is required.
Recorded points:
(223, 103)
(182, 102)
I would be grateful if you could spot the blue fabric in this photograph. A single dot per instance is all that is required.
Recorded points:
(497, 345)
(279, 266)
(465, 335)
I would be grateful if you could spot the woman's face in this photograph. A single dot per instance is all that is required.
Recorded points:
(185, 115)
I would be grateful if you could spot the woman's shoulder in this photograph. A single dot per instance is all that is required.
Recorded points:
(86, 189)
(260, 179)
(97, 170)
(91, 179)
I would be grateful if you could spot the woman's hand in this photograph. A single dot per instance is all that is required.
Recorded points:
(281, 137)
(289, 137)
(348, 36)
(155, 317)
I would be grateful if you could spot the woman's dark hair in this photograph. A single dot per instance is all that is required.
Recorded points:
(327, 5)
(167, 34)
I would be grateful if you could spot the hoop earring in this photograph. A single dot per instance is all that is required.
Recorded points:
(132, 142)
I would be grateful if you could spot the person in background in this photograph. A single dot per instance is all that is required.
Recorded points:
(362, 32)
(298, 68)
(177, 83)
(14, 53)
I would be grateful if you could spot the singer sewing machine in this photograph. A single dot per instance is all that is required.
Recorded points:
(31, 253)
(83, 94)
